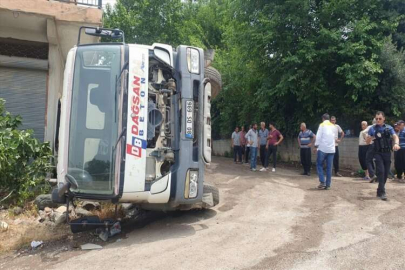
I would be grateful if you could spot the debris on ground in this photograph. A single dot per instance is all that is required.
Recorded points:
(91, 206)
(103, 235)
(3, 226)
(129, 210)
(80, 212)
(17, 210)
(115, 229)
(59, 218)
(61, 209)
(35, 244)
(90, 246)
(45, 200)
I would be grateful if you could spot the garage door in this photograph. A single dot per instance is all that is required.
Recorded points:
(23, 86)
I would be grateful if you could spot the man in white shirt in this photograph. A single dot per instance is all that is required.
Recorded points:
(325, 144)
(235, 143)
(338, 131)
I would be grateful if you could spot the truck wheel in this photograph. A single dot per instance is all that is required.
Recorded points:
(215, 79)
(214, 190)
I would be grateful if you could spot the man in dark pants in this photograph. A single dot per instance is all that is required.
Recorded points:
(242, 139)
(274, 139)
(400, 154)
(235, 142)
(263, 133)
(247, 150)
(381, 135)
(338, 131)
(306, 139)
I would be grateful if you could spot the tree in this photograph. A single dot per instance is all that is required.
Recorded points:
(310, 57)
(24, 161)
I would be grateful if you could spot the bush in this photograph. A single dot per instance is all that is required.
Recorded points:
(24, 161)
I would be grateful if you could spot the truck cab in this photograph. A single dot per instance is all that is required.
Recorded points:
(135, 124)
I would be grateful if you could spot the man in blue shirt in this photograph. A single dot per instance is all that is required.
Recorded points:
(263, 133)
(306, 139)
(381, 135)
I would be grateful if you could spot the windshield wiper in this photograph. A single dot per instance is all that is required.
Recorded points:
(120, 137)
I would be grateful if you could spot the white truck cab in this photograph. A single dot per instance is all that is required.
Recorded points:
(134, 124)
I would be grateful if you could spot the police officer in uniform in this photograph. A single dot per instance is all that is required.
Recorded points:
(381, 134)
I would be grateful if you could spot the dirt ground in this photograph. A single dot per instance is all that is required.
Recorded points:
(264, 221)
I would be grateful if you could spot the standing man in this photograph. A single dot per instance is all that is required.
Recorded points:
(306, 139)
(253, 142)
(263, 133)
(235, 142)
(381, 135)
(242, 139)
(247, 148)
(396, 159)
(363, 149)
(338, 131)
(400, 154)
(325, 144)
(274, 139)
(370, 156)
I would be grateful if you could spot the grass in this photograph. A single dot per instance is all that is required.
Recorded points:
(22, 234)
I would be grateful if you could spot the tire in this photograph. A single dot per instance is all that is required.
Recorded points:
(215, 79)
(215, 192)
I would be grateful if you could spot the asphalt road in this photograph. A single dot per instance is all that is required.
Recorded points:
(264, 221)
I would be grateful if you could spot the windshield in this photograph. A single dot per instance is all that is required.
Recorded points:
(93, 123)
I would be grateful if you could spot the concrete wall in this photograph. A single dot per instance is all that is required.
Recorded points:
(289, 151)
(51, 22)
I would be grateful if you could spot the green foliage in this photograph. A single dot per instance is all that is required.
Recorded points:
(24, 161)
(298, 59)
(285, 61)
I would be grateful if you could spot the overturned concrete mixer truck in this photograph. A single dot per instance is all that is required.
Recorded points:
(135, 125)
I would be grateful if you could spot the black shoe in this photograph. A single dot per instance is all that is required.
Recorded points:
(321, 186)
(373, 179)
(327, 188)
(383, 197)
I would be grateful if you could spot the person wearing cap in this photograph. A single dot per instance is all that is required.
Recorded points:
(382, 135)
(363, 149)
(400, 154)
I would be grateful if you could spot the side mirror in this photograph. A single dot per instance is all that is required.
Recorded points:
(101, 32)
(70, 182)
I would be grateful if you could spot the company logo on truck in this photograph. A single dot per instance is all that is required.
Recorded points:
(138, 112)
(137, 118)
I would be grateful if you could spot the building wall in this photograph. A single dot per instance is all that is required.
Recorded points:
(289, 151)
(51, 22)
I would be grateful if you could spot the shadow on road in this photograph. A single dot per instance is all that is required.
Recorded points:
(158, 226)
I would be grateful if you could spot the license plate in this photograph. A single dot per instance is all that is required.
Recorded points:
(189, 119)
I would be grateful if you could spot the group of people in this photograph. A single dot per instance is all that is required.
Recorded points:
(375, 145)
(376, 142)
(263, 140)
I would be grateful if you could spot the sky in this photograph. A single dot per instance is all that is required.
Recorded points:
(111, 2)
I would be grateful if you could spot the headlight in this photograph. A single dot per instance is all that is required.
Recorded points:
(191, 187)
(193, 184)
(193, 60)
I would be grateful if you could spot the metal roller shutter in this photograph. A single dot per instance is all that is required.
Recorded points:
(25, 93)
